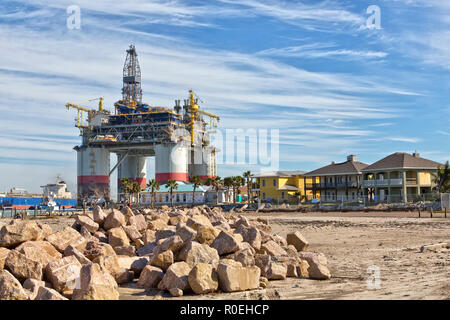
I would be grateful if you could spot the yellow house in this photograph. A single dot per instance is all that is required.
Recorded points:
(282, 186)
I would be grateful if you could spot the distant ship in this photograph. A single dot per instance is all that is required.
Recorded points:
(54, 194)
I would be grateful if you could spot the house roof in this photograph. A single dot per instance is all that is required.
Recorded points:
(283, 173)
(288, 187)
(401, 160)
(182, 187)
(347, 167)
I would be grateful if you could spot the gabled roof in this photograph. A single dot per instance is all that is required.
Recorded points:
(283, 173)
(401, 160)
(348, 167)
(288, 187)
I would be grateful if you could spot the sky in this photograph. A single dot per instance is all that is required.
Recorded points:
(324, 74)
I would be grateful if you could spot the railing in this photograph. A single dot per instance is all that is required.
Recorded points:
(382, 183)
(350, 184)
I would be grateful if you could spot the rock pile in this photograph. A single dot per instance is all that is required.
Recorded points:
(198, 250)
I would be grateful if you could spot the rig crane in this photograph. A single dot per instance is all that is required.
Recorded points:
(90, 112)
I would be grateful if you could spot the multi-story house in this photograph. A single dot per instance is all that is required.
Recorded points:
(337, 181)
(282, 186)
(399, 177)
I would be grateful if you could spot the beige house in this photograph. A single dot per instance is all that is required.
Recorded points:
(399, 177)
(337, 182)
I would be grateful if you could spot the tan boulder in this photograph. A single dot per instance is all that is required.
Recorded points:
(272, 248)
(3, 254)
(203, 278)
(250, 235)
(165, 233)
(45, 293)
(114, 220)
(19, 231)
(245, 257)
(292, 270)
(135, 264)
(46, 230)
(194, 252)
(71, 251)
(317, 265)
(174, 243)
(132, 232)
(44, 245)
(236, 278)
(32, 287)
(157, 224)
(99, 215)
(207, 234)
(297, 240)
(176, 277)
(101, 236)
(96, 284)
(149, 236)
(88, 223)
(95, 249)
(162, 260)
(10, 287)
(125, 251)
(64, 274)
(276, 271)
(150, 277)
(186, 233)
(22, 267)
(64, 238)
(112, 265)
(147, 249)
(175, 220)
(176, 292)
(225, 243)
(198, 220)
(117, 237)
(138, 221)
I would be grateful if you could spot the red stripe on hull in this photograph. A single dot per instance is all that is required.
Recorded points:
(93, 179)
(177, 176)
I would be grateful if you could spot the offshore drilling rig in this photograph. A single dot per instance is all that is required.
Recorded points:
(178, 139)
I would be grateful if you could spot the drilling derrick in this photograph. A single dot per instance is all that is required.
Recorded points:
(137, 131)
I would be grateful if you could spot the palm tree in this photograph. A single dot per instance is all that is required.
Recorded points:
(228, 183)
(136, 189)
(196, 181)
(216, 183)
(237, 183)
(442, 178)
(127, 188)
(297, 194)
(172, 185)
(154, 185)
(248, 177)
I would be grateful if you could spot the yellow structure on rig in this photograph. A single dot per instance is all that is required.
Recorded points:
(283, 186)
(90, 112)
(195, 111)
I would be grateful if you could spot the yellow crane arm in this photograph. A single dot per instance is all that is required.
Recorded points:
(75, 106)
(209, 114)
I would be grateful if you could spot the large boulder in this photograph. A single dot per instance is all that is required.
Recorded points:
(44, 245)
(125, 251)
(157, 224)
(250, 235)
(194, 252)
(132, 232)
(148, 236)
(135, 264)
(10, 287)
(317, 265)
(64, 274)
(86, 222)
(45, 293)
(165, 233)
(297, 240)
(273, 249)
(207, 234)
(95, 249)
(174, 244)
(112, 265)
(150, 277)
(203, 278)
(237, 278)
(99, 215)
(3, 254)
(71, 251)
(32, 287)
(39, 251)
(276, 271)
(138, 221)
(225, 243)
(64, 238)
(186, 233)
(22, 267)
(19, 231)
(162, 260)
(198, 220)
(245, 257)
(176, 277)
(118, 238)
(114, 220)
(96, 284)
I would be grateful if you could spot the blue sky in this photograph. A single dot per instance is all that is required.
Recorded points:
(311, 69)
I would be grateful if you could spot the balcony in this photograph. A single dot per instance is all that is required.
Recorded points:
(383, 183)
(338, 185)
(411, 181)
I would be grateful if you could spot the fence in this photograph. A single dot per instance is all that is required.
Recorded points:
(445, 201)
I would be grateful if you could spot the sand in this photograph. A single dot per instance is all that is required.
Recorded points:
(356, 245)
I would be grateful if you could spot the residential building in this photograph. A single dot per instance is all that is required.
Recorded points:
(399, 177)
(281, 186)
(337, 181)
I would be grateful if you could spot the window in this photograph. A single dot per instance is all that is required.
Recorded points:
(178, 197)
(184, 197)
(282, 195)
(263, 182)
(167, 198)
(274, 182)
(264, 194)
